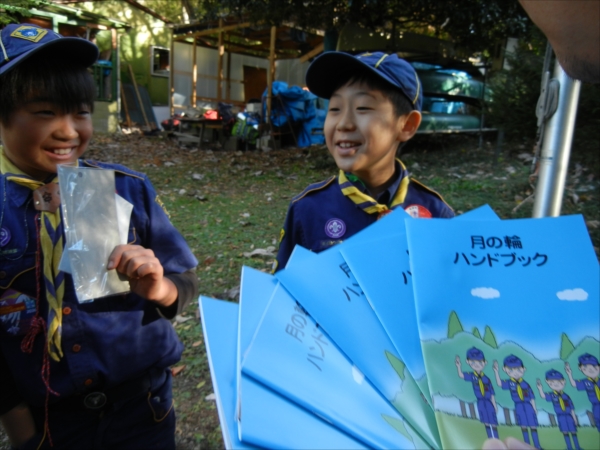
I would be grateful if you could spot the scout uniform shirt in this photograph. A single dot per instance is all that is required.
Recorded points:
(327, 213)
(104, 342)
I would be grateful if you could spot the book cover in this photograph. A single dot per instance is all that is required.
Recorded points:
(270, 421)
(293, 356)
(377, 261)
(509, 322)
(325, 286)
(264, 417)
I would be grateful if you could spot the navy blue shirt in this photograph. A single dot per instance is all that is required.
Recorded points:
(105, 342)
(322, 216)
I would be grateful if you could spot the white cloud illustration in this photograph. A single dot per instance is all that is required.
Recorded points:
(484, 292)
(577, 294)
(357, 375)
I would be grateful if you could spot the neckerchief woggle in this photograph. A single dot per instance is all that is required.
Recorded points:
(51, 243)
(367, 203)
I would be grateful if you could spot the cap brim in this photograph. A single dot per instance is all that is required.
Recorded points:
(77, 50)
(324, 73)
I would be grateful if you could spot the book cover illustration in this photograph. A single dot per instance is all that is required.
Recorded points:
(293, 356)
(325, 286)
(374, 263)
(509, 321)
(264, 417)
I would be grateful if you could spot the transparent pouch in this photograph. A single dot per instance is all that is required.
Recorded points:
(92, 226)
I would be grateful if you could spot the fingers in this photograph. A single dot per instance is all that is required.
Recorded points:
(135, 262)
(509, 444)
(494, 444)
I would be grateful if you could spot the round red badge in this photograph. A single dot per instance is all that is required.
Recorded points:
(418, 212)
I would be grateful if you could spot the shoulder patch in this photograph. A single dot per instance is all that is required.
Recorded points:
(162, 205)
(437, 194)
(314, 187)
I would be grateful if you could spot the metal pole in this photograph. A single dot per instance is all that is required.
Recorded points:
(556, 148)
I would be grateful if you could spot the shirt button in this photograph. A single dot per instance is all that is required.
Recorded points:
(66, 310)
(76, 348)
(88, 382)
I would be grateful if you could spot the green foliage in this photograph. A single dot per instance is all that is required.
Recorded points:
(11, 11)
(476, 332)
(566, 347)
(515, 90)
(489, 338)
(476, 24)
(454, 325)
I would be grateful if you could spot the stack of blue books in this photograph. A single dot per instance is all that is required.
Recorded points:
(416, 334)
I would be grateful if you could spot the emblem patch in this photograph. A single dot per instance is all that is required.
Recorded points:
(16, 312)
(335, 228)
(4, 236)
(418, 212)
(28, 33)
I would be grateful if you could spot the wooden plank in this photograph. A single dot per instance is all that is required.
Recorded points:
(194, 75)
(270, 74)
(219, 29)
(315, 51)
(220, 63)
(139, 97)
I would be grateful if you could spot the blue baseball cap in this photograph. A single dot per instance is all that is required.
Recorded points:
(554, 375)
(474, 354)
(323, 75)
(20, 41)
(512, 361)
(586, 358)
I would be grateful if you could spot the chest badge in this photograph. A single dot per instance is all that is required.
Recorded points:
(335, 228)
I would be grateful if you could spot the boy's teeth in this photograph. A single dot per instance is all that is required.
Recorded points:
(346, 145)
(63, 151)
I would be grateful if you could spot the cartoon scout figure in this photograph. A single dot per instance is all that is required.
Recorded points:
(522, 394)
(588, 364)
(482, 388)
(563, 406)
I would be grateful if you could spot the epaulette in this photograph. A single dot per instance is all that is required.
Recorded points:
(313, 187)
(118, 168)
(437, 194)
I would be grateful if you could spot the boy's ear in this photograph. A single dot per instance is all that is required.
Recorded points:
(412, 120)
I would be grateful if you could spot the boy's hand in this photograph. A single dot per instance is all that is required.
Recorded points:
(145, 273)
(509, 444)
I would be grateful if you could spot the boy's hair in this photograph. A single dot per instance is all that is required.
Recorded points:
(401, 104)
(64, 83)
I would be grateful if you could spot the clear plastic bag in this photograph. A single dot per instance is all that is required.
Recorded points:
(91, 223)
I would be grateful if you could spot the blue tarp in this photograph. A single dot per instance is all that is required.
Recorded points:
(298, 106)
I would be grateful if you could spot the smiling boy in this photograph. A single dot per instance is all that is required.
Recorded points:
(374, 106)
(78, 375)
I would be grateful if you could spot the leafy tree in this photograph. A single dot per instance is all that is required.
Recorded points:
(489, 338)
(566, 347)
(474, 24)
(12, 10)
(476, 332)
(454, 325)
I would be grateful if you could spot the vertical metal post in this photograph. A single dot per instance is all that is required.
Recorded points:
(194, 74)
(220, 63)
(556, 148)
(270, 74)
(172, 75)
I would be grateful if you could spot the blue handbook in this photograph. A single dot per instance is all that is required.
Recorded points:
(324, 285)
(293, 356)
(382, 269)
(523, 287)
(264, 417)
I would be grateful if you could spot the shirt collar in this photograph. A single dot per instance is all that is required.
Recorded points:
(385, 197)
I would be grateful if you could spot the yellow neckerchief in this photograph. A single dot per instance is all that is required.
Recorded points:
(367, 203)
(51, 243)
(596, 388)
(560, 400)
(519, 388)
(481, 385)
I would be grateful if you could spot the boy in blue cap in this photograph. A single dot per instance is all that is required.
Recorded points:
(522, 394)
(588, 364)
(96, 374)
(482, 388)
(374, 106)
(563, 406)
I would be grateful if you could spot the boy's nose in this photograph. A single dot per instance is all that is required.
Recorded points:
(346, 121)
(66, 128)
